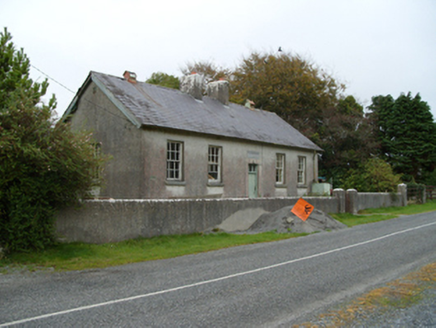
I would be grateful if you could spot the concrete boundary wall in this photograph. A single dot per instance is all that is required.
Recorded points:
(103, 221)
(357, 201)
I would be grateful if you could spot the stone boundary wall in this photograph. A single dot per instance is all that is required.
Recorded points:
(104, 221)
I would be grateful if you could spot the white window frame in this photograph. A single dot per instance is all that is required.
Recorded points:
(214, 164)
(174, 168)
(301, 178)
(280, 168)
(96, 172)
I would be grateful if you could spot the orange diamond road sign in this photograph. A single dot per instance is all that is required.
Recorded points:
(302, 209)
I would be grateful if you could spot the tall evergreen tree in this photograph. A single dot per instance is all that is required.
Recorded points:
(407, 134)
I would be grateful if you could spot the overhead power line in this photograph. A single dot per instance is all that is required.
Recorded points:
(63, 86)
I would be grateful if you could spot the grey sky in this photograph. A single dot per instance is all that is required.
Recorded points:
(374, 47)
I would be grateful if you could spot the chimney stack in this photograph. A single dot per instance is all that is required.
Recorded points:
(192, 85)
(130, 77)
(219, 90)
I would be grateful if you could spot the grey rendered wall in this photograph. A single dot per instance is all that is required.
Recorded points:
(102, 221)
(377, 200)
(236, 155)
(355, 201)
(119, 138)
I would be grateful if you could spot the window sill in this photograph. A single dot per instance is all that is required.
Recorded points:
(302, 186)
(281, 186)
(175, 183)
(215, 184)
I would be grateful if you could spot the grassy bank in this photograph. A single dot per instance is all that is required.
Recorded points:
(78, 256)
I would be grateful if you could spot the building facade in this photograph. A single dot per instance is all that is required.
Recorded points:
(168, 143)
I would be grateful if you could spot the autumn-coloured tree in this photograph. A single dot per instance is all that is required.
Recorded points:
(288, 85)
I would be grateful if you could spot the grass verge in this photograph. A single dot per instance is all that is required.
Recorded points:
(384, 213)
(79, 256)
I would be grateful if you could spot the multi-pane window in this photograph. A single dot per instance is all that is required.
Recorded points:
(96, 171)
(280, 168)
(301, 170)
(214, 164)
(174, 160)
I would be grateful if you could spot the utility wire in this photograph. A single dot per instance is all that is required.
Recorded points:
(89, 101)
(63, 86)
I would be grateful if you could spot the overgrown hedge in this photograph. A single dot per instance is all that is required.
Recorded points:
(43, 165)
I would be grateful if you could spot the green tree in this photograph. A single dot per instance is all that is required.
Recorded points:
(350, 106)
(346, 137)
(43, 165)
(407, 134)
(374, 176)
(164, 80)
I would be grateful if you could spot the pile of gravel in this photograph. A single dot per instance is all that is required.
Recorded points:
(284, 220)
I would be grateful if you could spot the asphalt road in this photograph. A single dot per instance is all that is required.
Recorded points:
(263, 285)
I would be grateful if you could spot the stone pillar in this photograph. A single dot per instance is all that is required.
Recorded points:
(340, 196)
(351, 205)
(402, 190)
(424, 194)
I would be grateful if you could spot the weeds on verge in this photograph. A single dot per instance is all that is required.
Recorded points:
(400, 293)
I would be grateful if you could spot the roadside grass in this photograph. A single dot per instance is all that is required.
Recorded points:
(400, 293)
(351, 220)
(79, 256)
(384, 213)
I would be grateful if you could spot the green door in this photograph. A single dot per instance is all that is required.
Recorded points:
(252, 181)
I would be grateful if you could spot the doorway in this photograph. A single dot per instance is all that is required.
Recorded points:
(252, 181)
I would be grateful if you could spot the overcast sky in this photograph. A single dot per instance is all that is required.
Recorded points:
(375, 47)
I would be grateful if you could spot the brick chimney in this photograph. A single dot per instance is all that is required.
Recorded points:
(219, 90)
(192, 85)
(130, 76)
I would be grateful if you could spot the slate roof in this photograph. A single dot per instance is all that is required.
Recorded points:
(158, 106)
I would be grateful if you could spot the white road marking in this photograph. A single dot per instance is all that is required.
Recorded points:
(127, 299)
